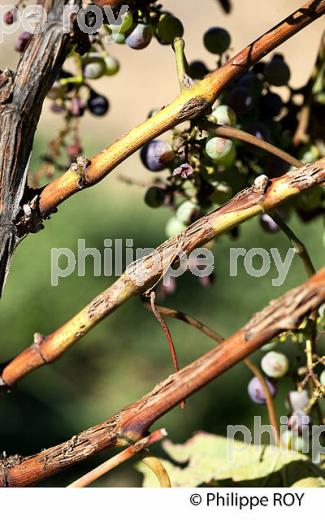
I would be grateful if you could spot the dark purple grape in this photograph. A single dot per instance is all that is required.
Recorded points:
(252, 83)
(9, 17)
(277, 72)
(139, 37)
(155, 197)
(198, 69)
(156, 155)
(271, 105)
(268, 223)
(217, 40)
(22, 41)
(98, 105)
(240, 100)
(256, 392)
(259, 68)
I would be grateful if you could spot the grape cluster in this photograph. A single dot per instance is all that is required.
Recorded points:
(208, 170)
(275, 366)
(73, 93)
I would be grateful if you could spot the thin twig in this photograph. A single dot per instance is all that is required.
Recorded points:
(297, 244)
(230, 132)
(167, 333)
(172, 313)
(300, 135)
(268, 397)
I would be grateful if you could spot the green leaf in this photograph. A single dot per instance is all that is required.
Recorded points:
(311, 482)
(208, 459)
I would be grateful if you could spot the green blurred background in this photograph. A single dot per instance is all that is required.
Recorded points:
(127, 354)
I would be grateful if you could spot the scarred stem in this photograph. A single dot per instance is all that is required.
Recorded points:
(264, 195)
(281, 315)
(118, 459)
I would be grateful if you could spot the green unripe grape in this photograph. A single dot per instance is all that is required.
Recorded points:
(217, 40)
(126, 23)
(224, 115)
(322, 378)
(154, 197)
(174, 227)
(186, 211)
(168, 28)
(112, 66)
(94, 68)
(124, 27)
(275, 364)
(221, 151)
(298, 399)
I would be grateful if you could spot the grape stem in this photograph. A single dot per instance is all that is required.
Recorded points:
(164, 326)
(172, 313)
(184, 79)
(304, 117)
(230, 132)
(281, 315)
(298, 246)
(122, 457)
(250, 202)
(311, 347)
